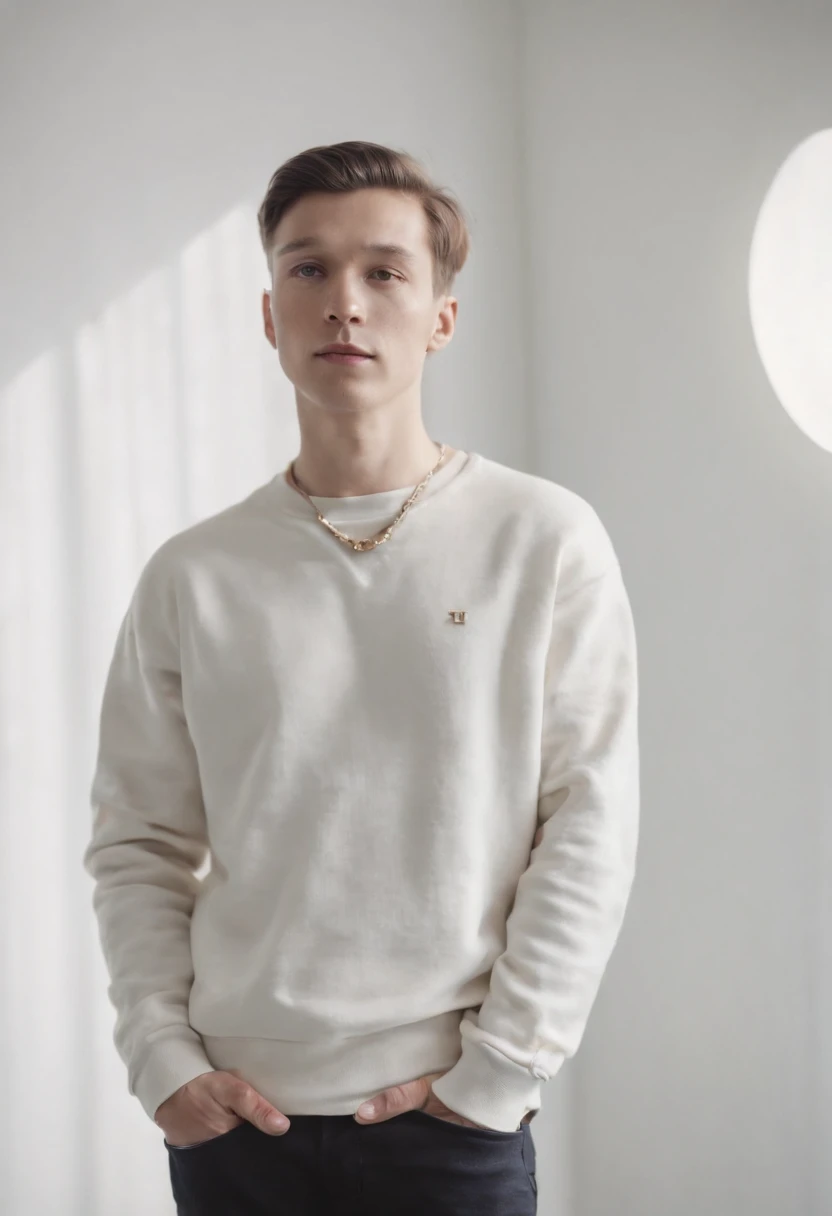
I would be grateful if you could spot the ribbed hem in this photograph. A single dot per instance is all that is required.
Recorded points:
(172, 1063)
(334, 1074)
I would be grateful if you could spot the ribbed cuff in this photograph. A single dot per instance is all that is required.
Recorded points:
(488, 1088)
(172, 1063)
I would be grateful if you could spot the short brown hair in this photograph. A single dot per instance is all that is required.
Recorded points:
(357, 165)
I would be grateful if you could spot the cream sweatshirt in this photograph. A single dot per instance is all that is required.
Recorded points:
(357, 749)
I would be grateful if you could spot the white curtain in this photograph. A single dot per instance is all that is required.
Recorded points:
(168, 406)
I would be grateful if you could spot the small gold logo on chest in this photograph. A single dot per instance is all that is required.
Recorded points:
(457, 617)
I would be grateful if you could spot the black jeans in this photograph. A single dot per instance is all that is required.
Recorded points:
(413, 1164)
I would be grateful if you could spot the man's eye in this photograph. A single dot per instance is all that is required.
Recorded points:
(311, 266)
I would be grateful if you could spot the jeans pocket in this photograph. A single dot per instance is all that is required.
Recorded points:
(462, 1127)
(529, 1157)
(184, 1148)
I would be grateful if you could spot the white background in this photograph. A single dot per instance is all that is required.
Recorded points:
(612, 159)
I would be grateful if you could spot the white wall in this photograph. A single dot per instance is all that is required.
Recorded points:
(652, 134)
(612, 159)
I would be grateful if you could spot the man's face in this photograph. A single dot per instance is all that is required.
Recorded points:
(335, 291)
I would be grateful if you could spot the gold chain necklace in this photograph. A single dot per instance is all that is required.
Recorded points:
(361, 546)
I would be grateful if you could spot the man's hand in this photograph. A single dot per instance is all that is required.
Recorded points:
(412, 1095)
(207, 1107)
(415, 1095)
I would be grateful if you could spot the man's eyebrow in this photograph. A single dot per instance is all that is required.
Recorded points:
(306, 242)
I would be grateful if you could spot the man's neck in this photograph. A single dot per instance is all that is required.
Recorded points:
(347, 483)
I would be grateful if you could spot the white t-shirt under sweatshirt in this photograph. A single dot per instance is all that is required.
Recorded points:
(362, 746)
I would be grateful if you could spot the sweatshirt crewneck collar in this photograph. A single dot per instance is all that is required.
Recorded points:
(367, 506)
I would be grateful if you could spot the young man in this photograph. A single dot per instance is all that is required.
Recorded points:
(393, 695)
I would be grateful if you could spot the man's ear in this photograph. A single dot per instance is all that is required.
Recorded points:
(268, 323)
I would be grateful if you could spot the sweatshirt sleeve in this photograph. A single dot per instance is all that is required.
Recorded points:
(570, 902)
(148, 839)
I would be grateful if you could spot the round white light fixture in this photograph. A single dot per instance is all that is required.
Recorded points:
(790, 286)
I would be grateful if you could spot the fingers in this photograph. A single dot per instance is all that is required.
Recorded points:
(412, 1095)
(246, 1101)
